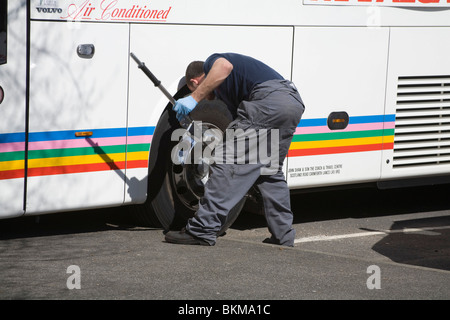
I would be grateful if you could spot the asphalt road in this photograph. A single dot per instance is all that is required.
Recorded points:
(361, 244)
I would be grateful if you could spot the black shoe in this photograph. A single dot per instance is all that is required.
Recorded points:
(272, 240)
(182, 237)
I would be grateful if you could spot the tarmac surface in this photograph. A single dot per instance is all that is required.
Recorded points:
(361, 244)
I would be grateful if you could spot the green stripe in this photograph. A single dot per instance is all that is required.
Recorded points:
(342, 135)
(138, 147)
(70, 152)
(11, 156)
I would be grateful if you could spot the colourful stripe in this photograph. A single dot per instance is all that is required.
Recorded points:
(363, 133)
(61, 152)
(96, 133)
(79, 143)
(12, 155)
(350, 127)
(12, 137)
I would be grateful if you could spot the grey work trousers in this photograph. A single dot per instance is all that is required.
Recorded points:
(274, 104)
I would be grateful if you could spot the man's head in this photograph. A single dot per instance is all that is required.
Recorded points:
(194, 75)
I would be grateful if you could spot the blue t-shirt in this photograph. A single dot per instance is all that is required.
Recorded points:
(247, 72)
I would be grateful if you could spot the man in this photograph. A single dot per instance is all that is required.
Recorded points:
(261, 100)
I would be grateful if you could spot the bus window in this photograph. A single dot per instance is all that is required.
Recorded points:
(3, 26)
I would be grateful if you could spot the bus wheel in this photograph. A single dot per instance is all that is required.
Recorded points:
(182, 183)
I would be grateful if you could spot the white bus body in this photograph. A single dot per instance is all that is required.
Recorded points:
(78, 116)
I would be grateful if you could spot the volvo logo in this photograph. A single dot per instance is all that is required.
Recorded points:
(49, 10)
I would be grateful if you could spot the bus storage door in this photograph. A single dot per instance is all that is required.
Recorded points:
(78, 114)
(13, 20)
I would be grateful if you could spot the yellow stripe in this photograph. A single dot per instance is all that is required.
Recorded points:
(12, 165)
(76, 160)
(141, 155)
(67, 161)
(340, 142)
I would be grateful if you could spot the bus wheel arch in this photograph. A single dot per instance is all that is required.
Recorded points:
(165, 202)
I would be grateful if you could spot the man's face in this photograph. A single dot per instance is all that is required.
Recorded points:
(195, 82)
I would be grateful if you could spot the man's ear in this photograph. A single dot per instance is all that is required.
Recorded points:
(191, 85)
(196, 81)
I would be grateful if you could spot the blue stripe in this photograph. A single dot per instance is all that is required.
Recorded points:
(96, 133)
(12, 137)
(141, 131)
(313, 122)
(352, 120)
(365, 119)
(70, 134)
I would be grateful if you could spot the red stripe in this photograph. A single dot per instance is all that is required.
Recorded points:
(12, 174)
(345, 149)
(46, 171)
(137, 164)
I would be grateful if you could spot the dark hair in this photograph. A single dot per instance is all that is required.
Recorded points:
(194, 70)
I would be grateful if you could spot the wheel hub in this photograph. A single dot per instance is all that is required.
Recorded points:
(191, 172)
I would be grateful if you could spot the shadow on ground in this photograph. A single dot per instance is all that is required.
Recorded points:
(308, 207)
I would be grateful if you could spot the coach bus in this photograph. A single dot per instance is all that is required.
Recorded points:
(82, 127)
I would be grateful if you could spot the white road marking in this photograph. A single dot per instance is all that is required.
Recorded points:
(425, 231)
(341, 236)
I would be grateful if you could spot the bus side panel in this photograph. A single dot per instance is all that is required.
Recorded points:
(339, 70)
(418, 93)
(78, 110)
(168, 49)
(12, 109)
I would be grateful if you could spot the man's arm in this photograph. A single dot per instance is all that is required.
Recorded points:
(220, 70)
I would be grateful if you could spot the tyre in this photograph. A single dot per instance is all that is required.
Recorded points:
(175, 189)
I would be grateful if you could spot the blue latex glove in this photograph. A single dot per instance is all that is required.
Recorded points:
(184, 106)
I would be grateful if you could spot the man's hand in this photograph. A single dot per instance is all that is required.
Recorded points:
(184, 106)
